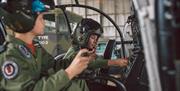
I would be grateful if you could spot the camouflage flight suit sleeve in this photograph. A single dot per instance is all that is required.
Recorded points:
(73, 85)
(99, 61)
(21, 75)
(49, 62)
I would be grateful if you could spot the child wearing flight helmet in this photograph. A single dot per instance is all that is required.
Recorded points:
(25, 65)
(86, 35)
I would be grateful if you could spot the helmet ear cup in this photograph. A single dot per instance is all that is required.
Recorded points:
(75, 35)
(78, 35)
(80, 38)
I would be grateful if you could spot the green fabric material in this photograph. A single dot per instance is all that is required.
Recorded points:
(36, 73)
(99, 62)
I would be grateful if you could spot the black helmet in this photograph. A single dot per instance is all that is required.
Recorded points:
(20, 15)
(83, 30)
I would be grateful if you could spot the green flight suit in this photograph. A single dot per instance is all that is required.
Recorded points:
(99, 61)
(23, 71)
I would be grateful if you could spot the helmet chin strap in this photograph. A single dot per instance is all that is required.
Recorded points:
(85, 46)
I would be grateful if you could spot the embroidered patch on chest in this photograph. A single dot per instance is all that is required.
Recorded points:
(9, 69)
(24, 51)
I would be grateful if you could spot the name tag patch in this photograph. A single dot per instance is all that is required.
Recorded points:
(24, 51)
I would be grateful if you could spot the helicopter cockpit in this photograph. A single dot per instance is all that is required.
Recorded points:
(135, 40)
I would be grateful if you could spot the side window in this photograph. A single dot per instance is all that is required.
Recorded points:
(100, 48)
(56, 39)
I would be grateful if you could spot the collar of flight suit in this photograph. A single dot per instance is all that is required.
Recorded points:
(18, 42)
(12, 39)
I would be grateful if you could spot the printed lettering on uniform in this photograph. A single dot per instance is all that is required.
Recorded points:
(24, 51)
(9, 69)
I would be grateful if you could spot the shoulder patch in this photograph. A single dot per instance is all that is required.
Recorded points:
(9, 69)
(24, 51)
